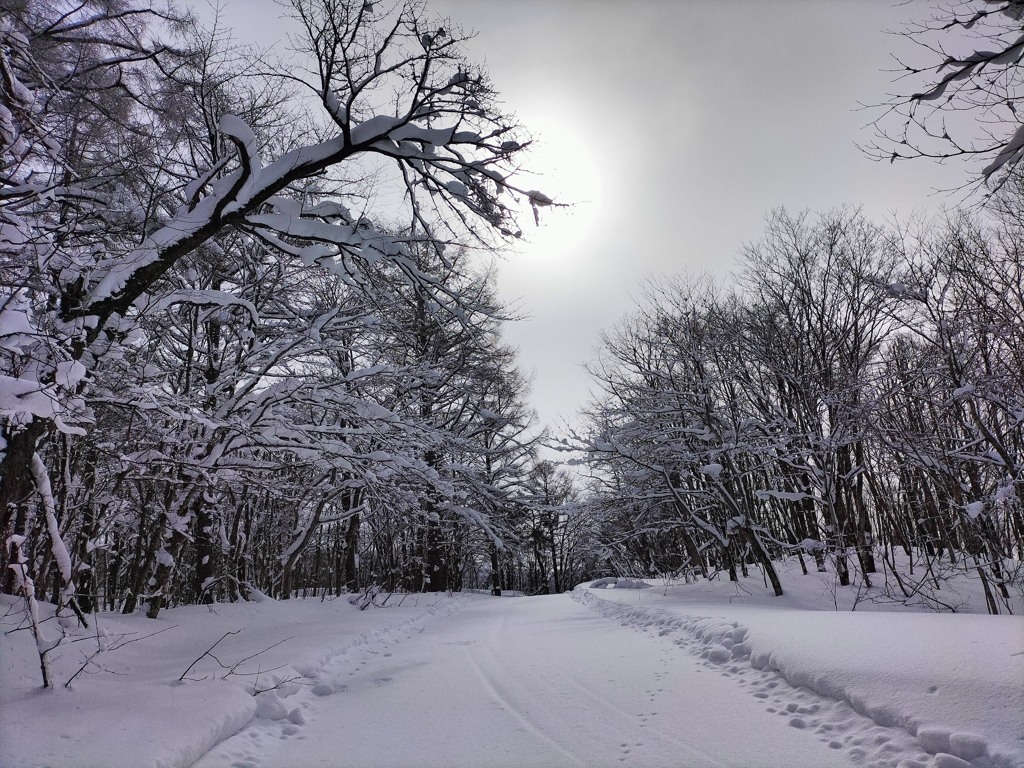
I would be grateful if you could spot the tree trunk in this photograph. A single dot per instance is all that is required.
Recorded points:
(352, 554)
(694, 553)
(204, 573)
(762, 557)
(17, 489)
(554, 560)
(145, 555)
(436, 563)
(302, 538)
(164, 571)
(495, 571)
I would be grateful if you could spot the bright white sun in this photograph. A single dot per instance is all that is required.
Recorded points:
(568, 171)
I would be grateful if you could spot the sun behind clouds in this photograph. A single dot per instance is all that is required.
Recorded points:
(570, 173)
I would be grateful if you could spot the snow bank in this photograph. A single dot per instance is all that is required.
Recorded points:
(953, 682)
(128, 709)
(117, 724)
(616, 582)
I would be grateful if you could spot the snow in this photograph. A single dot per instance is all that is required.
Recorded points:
(129, 707)
(954, 683)
(437, 136)
(25, 396)
(335, 108)
(374, 128)
(963, 391)
(115, 273)
(457, 188)
(239, 130)
(782, 495)
(615, 582)
(307, 228)
(69, 373)
(207, 297)
(1007, 155)
(706, 673)
(57, 547)
(712, 470)
(15, 312)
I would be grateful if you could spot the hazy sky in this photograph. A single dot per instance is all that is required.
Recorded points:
(678, 125)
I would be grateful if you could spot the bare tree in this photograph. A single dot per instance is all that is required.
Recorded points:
(958, 99)
(863, 393)
(136, 155)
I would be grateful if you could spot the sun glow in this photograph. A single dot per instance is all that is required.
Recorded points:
(568, 171)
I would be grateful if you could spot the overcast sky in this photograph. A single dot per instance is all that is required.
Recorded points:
(678, 125)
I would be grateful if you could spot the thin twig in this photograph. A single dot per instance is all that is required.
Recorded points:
(206, 653)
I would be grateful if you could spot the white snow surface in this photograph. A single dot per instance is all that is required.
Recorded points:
(877, 685)
(700, 674)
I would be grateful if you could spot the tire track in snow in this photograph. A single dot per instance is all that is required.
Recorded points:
(869, 739)
(640, 720)
(501, 692)
(537, 680)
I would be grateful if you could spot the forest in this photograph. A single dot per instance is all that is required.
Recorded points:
(251, 343)
(856, 394)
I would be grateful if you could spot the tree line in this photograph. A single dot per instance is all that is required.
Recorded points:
(855, 396)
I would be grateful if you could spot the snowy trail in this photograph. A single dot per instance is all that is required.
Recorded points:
(528, 682)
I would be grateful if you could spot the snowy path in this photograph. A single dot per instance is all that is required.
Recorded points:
(699, 674)
(535, 682)
(702, 674)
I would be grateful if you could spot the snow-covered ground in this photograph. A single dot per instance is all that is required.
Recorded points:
(705, 674)
(878, 685)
